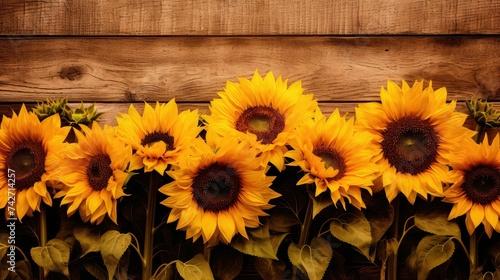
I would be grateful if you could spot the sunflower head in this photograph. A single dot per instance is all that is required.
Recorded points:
(417, 132)
(476, 186)
(335, 157)
(28, 157)
(159, 136)
(265, 108)
(219, 189)
(93, 172)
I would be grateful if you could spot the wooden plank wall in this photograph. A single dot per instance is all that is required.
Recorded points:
(129, 51)
(122, 52)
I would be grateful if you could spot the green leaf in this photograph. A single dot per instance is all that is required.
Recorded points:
(164, 272)
(196, 268)
(477, 274)
(66, 229)
(494, 254)
(129, 176)
(411, 262)
(3, 250)
(23, 270)
(313, 260)
(435, 220)
(4, 268)
(276, 240)
(353, 228)
(96, 270)
(281, 220)
(89, 240)
(113, 245)
(258, 243)
(320, 202)
(270, 269)
(53, 257)
(386, 248)
(122, 270)
(431, 252)
(379, 213)
(496, 274)
(226, 262)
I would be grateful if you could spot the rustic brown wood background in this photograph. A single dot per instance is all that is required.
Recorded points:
(120, 52)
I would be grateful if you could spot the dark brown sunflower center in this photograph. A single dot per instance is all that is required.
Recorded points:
(27, 159)
(331, 159)
(410, 144)
(154, 137)
(216, 187)
(265, 122)
(99, 171)
(482, 184)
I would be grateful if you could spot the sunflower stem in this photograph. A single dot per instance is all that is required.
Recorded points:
(473, 238)
(207, 252)
(480, 133)
(43, 235)
(306, 226)
(147, 267)
(393, 261)
(465, 251)
(304, 231)
(473, 252)
(383, 270)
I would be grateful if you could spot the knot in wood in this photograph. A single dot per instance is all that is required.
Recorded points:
(71, 73)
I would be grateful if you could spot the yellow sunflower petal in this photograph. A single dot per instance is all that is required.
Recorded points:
(209, 224)
(477, 214)
(491, 215)
(469, 224)
(226, 226)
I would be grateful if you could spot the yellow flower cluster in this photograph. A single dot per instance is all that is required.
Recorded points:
(412, 142)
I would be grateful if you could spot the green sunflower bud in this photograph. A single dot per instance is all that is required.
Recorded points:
(483, 113)
(81, 115)
(50, 107)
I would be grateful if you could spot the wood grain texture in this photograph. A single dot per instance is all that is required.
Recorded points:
(194, 69)
(112, 110)
(242, 17)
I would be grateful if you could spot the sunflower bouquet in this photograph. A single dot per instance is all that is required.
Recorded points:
(264, 185)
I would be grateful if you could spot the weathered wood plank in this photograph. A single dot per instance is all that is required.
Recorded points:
(242, 17)
(194, 69)
(112, 110)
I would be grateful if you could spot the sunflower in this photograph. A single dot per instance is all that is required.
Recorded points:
(335, 157)
(93, 171)
(265, 108)
(28, 150)
(417, 132)
(219, 190)
(159, 136)
(476, 186)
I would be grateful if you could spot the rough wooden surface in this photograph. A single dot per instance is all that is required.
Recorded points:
(243, 17)
(123, 52)
(194, 69)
